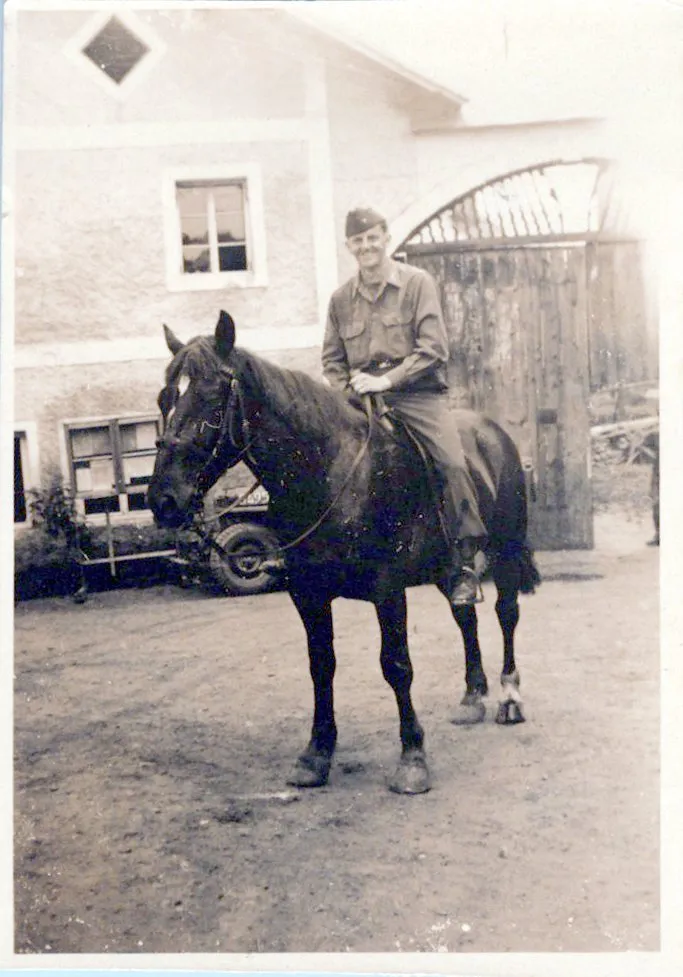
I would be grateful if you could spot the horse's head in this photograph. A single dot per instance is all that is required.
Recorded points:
(198, 404)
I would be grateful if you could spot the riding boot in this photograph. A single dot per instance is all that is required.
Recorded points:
(466, 589)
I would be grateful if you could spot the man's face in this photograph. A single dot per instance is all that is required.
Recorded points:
(369, 248)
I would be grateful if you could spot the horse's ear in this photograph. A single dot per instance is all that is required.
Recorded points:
(172, 340)
(225, 335)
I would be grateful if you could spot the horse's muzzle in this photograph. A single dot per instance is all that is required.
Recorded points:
(167, 513)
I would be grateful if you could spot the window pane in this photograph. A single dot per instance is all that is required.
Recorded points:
(20, 512)
(138, 436)
(230, 226)
(138, 469)
(108, 503)
(137, 501)
(228, 196)
(90, 441)
(115, 50)
(192, 200)
(233, 258)
(194, 230)
(95, 476)
(196, 259)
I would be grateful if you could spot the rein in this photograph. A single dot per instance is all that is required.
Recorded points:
(367, 404)
(227, 433)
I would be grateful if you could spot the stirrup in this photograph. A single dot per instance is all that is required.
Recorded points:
(478, 592)
(274, 565)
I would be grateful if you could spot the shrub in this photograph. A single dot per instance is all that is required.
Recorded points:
(54, 509)
(47, 555)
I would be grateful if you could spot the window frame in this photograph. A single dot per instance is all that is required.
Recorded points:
(256, 275)
(121, 490)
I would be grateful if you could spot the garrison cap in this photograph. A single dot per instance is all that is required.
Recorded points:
(362, 219)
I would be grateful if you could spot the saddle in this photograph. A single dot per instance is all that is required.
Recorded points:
(378, 411)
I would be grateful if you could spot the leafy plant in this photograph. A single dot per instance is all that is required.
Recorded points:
(54, 509)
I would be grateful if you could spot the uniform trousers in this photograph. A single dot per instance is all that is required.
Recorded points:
(429, 416)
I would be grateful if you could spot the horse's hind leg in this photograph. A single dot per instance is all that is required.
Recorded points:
(312, 769)
(412, 774)
(506, 577)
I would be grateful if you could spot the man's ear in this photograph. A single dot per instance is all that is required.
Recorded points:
(225, 335)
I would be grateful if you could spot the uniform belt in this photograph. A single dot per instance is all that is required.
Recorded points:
(380, 365)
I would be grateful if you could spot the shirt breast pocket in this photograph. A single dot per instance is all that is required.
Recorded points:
(399, 335)
(355, 339)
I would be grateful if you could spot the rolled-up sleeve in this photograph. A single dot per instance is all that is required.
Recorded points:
(430, 334)
(334, 361)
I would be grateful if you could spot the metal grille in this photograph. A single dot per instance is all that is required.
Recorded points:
(554, 201)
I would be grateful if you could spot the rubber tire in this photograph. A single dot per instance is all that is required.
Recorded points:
(243, 540)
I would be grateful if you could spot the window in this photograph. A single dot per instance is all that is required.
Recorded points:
(115, 50)
(111, 463)
(214, 228)
(20, 507)
(25, 471)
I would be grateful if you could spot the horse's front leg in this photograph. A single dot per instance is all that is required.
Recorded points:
(312, 769)
(412, 774)
(471, 708)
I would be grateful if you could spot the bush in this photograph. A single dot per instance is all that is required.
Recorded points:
(47, 556)
(54, 509)
(44, 566)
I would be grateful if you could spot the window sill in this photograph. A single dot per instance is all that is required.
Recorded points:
(216, 282)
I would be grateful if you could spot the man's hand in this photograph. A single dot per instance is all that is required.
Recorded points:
(364, 383)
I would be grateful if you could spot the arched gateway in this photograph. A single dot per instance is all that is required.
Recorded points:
(543, 293)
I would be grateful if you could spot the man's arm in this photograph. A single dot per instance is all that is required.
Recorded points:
(431, 338)
(334, 362)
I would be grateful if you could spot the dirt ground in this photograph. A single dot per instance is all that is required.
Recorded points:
(155, 730)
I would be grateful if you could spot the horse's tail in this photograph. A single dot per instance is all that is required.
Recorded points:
(510, 523)
(529, 575)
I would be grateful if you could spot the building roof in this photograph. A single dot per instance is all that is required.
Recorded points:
(304, 14)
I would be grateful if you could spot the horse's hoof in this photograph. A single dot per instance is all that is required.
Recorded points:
(469, 711)
(509, 714)
(310, 771)
(412, 775)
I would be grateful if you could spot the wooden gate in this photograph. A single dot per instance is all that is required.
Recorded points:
(542, 307)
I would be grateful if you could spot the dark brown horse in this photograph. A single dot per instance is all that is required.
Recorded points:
(355, 515)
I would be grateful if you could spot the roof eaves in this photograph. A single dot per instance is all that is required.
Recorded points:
(309, 18)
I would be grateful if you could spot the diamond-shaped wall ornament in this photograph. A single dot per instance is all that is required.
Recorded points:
(115, 50)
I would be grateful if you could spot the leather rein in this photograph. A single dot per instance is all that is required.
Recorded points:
(227, 436)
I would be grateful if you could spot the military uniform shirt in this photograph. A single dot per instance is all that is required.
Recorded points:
(399, 332)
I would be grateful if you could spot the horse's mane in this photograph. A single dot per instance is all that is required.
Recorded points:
(306, 404)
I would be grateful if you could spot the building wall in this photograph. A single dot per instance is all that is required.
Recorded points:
(90, 254)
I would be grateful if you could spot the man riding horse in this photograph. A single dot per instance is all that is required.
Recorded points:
(386, 335)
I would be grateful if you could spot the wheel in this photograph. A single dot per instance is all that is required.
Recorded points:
(238, 569)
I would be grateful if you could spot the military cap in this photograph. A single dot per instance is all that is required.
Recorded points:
(362, 219)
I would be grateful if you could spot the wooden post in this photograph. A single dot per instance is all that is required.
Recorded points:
(110, 545)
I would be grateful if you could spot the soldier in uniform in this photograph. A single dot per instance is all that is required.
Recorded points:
(386, 335)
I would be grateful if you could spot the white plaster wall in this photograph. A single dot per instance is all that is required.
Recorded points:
(90, 256)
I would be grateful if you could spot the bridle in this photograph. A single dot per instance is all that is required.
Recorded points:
(226, 435)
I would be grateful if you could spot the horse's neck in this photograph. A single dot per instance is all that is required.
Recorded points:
(284, 450)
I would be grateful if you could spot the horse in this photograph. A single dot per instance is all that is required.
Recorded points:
(355, 514)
